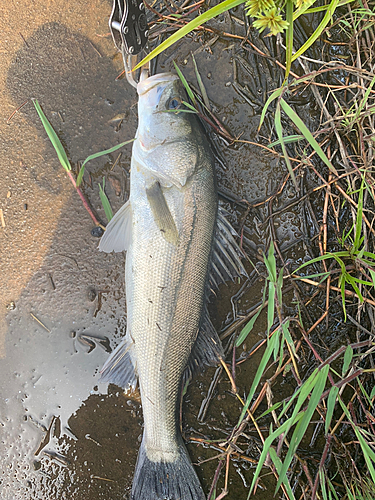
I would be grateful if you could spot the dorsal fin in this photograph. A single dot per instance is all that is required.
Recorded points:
(207, 349)
(227, 255)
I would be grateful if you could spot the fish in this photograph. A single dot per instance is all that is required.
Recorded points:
(179, 248)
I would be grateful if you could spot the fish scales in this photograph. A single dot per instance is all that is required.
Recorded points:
(171, 229)
(166, 287)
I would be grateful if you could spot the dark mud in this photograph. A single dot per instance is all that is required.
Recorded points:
(62, 303)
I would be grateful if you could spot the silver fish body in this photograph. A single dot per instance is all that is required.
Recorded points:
(168, 228)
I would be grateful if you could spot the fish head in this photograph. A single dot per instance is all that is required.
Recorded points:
(169, 139)
(162, 116)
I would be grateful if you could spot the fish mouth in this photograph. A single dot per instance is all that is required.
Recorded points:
(146, 85)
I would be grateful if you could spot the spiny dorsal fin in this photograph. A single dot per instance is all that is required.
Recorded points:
(117, 236)
(227, 255)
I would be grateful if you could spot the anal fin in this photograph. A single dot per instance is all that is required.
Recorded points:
(119, 368)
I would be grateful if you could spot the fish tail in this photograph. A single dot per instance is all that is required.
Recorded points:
(166, 480)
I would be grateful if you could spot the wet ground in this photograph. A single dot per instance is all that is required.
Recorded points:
(62, 303)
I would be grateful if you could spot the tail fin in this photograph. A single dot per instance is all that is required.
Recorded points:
(166, 480)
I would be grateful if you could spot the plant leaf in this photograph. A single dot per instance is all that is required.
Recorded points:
(206, 16)
(249, 326)
(262, 366)
(278, 464)
(200, 83)
(53, 137)
(331, 401)
(289, 36)
(279, 131)
(302, 425)
(326, 19)
(348, 356)
(97, 155)
(275, 94)
(185, 84)
(307, 134)
(105, 202)
(271, 305)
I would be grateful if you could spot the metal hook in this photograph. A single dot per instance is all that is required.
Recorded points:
(129, 29)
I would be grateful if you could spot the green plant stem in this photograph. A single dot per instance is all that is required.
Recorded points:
(84, 201)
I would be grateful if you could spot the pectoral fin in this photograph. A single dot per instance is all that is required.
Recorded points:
(117, 236)
(161, 213)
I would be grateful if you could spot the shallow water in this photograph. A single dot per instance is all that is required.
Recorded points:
(62, 434)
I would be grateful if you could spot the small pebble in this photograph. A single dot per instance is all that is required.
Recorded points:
(97, 232)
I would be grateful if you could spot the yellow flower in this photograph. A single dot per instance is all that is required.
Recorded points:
(256, 7)
(271, 20)
(300, 3)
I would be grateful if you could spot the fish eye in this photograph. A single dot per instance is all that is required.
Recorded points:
(173, 103)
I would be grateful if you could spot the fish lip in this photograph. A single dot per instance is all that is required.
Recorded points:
(145, 86)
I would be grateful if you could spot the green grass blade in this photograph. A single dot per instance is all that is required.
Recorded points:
(275, 94)
(270, 263)
(188, 105)
(206, 16)
(320, 9)
(271, 305)
(278, 464)
(365, 99)
(273, 408)
(249, 326)
(97, 155)
(372, 273)
(105, 202)
(289, 36)
(305, 7)
(348, 356)
(288, 337)
(324, 257)
(364, 392)
(307, 134)
(53, 137)
(368, 454)
(326, 19)
(279, 287)
(332, 489)
(279, 131)
(358, 223)
(303, 392)
(331, 401)
(302, 425)
(343, 301)
(322, 481)
(185, 84)
(201, 86)
(267, 446)
(289, 139)
(261, 368)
